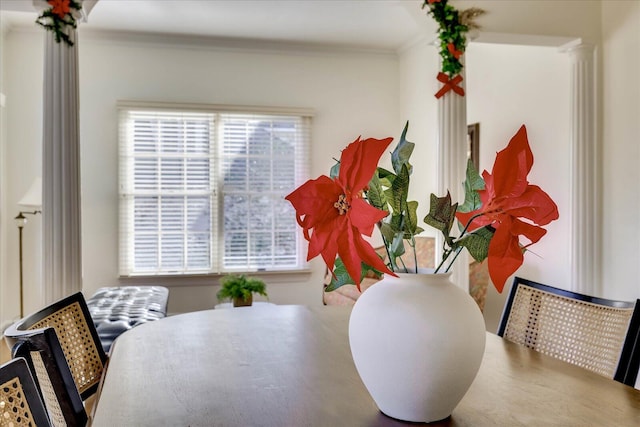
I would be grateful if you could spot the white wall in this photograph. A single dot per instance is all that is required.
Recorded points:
(22, 162)
(3, 128)
(550, 18)
(498, 100)
(508, 86)
(352, 94)
(621, 149)
(418, 66)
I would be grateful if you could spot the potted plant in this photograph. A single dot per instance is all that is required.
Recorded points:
(240, 289)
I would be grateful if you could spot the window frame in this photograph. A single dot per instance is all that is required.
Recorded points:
(302, 166)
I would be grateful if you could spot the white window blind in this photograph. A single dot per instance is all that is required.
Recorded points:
(203, 191)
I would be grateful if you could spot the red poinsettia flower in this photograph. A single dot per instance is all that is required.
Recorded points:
(60, 7)
(333, 214)
(506, 199)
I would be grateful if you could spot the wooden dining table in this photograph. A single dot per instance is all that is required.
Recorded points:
(288, 365)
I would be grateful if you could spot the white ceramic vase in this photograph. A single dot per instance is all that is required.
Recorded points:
(417, 341)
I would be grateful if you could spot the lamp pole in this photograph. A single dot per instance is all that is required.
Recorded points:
(21, 220)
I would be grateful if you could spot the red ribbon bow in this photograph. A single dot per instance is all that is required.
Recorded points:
(449, 84)
(434, 1)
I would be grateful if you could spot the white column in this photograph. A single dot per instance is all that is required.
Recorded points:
(62, 269)
(585, 173)
(452, 163)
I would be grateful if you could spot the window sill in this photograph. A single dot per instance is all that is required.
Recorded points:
(181, 280)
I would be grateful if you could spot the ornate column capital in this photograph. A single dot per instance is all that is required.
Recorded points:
(579, 49)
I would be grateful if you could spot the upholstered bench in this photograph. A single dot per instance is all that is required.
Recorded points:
(118, 309)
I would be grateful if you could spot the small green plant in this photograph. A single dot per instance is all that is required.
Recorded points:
(240, 289)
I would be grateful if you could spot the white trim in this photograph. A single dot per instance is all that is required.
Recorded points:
(229, 43)
(227, 143)
(216, 108)
(523, 39)
(196, 280)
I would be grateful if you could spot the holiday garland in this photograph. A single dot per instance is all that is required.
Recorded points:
(59, 18)
(453, 26)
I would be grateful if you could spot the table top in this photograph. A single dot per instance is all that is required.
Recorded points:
(291, 366)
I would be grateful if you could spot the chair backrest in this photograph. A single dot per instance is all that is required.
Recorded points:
(78, 337)
(20, 403)
(629, 365)
(579, 329)
(45, 357)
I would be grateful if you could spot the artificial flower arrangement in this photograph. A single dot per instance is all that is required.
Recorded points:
(336, 211)
(59, 16)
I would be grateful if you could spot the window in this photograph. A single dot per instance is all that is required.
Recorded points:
(202, 189)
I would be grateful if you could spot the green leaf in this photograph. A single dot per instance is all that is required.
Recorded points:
(383, 173)
(441, 215)
(341, 277)
(477, 243)
(397, 224)
(400, 156)
(395, 251)
(386, 177)
(388, 194)
(375, 193)
(387, 231)
(397, 246)
(400, 190)
(472, 184)
(412, 223)
(335, 170)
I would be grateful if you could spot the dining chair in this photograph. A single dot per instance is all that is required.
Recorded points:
(44, 354)
(583, 330)
(20, 403)
(629, 366)
(70, 319)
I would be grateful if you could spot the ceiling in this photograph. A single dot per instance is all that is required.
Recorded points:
(373, 24)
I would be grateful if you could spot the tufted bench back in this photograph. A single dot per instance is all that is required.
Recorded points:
(115, 310)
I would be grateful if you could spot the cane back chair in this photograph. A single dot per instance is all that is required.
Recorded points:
(46, 359)
(629, 366)
(586, 331)
(20, 403)
(78, 337)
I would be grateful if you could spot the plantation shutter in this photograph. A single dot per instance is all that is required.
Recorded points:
(203, 191)
(167, 191)
(259, 157)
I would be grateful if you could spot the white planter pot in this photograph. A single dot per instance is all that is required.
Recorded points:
(417, 342)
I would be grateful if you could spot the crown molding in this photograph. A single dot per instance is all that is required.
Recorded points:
(522, 39)
(227, 43)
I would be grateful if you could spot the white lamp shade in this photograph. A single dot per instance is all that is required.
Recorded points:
(33, 197)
